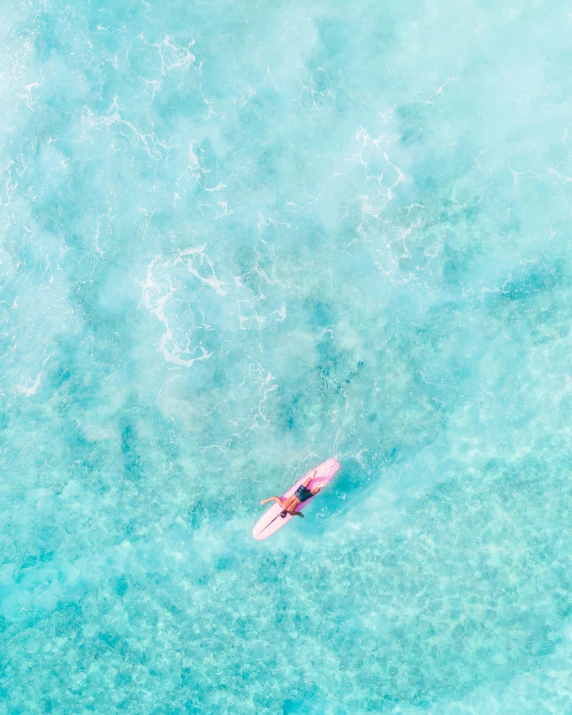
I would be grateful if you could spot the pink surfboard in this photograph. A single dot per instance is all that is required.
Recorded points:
(271, 521)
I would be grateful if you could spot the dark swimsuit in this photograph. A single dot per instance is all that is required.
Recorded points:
(303, 493)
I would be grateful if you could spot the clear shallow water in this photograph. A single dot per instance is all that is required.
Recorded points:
(238, 239)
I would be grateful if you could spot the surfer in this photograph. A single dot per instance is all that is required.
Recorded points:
(290, 504)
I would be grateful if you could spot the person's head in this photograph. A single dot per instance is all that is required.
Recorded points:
(284, 514)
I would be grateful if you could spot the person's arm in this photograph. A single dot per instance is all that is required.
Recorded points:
(316, 490)
(276, 499)
(298, 513)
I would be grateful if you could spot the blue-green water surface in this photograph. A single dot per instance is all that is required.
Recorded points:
(238, 238)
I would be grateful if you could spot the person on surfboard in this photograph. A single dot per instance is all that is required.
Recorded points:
(290, 504)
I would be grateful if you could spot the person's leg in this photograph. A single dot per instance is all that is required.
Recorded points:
(310, 478)
(291, 503)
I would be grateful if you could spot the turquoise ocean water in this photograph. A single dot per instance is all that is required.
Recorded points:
(238, 238)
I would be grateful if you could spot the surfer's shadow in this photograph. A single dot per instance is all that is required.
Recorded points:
(325, 516)
(337, 500)
(335, 505)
